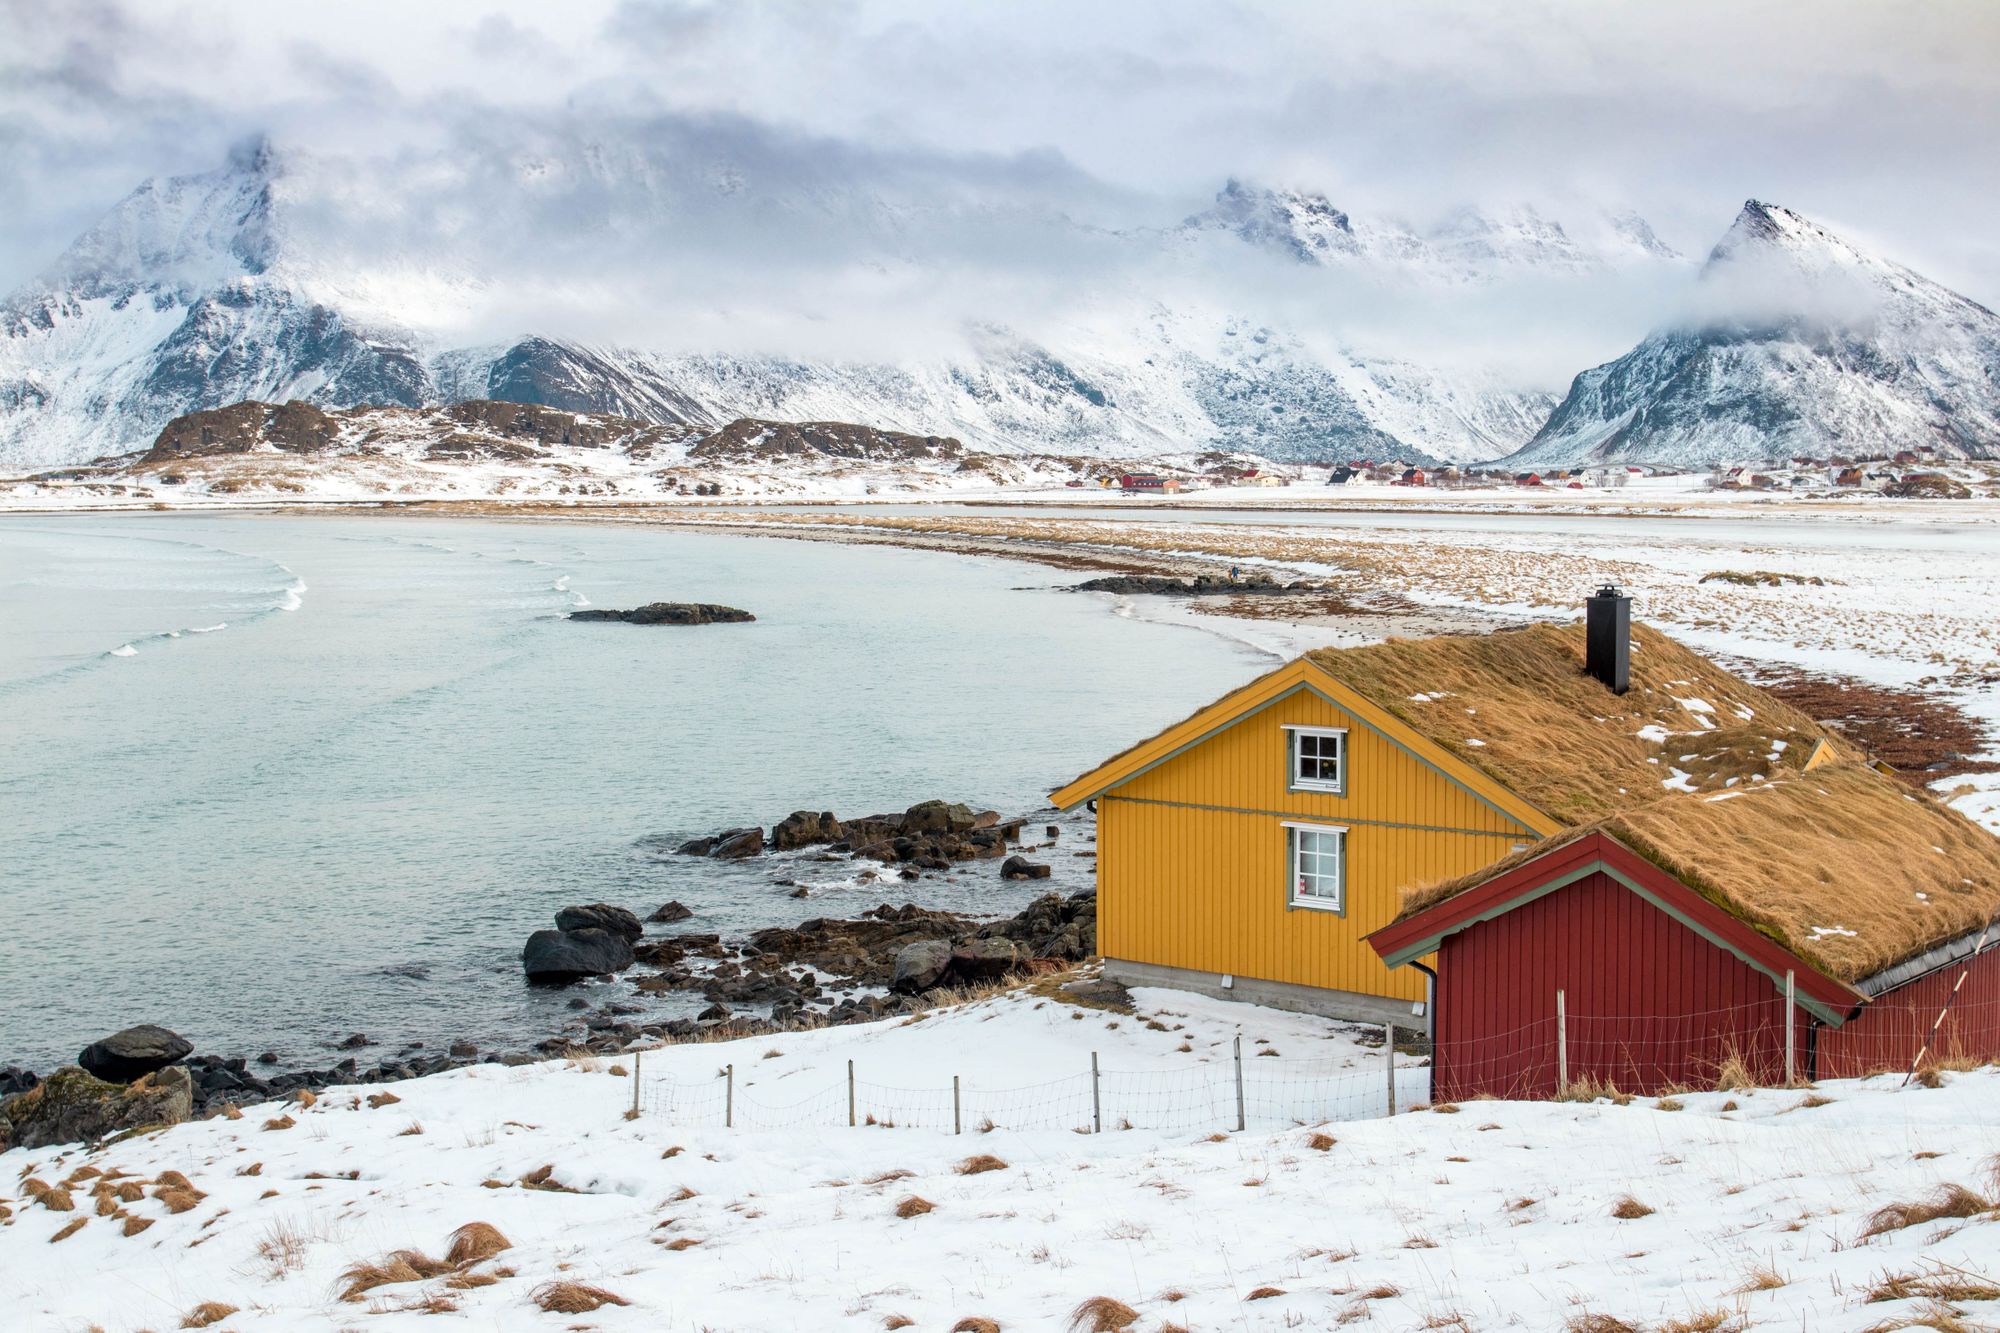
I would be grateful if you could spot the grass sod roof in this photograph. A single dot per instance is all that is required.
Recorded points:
(1518, 706)
(1846, 867)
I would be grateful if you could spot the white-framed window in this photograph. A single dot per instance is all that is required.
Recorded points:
(1317, 858)
(1318, 759)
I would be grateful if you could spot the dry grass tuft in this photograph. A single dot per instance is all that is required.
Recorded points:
(1759, 1277)
(884, 1177)
(544, 1178)
(130, 1191)
(1627, 1209)
(912, 1205)
(280, 1122)
(1585, 1321)
(1264, 1293)
(1705, 1321)
(573, 1297)
(173, 1180)
(1320, 1141)
(979, 1164)
(475, 1242)
(1381, 1292)
(974, 1323)
(208, 1312)
(402, 1266)
(680, 1243)
(135, 1225)
(378, 1100)
(1102, 1314)
(895, 1321)
(1943, 1202)
(1944, 1283)
(468, 1281)
(178, 1200)
(69, 1229)
(54, 1198)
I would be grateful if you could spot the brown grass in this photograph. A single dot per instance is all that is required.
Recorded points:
(178, 1200)
(53, 1197)
(911, 1205)
(357, 1280)
(1916, 732)
(974, 1323)
(979, 1164)
(1585, 1321)
(1320, 1141)
(884, 1177)
(208, 1312)
(1946, 1201)
(1705, 1321)
(1943, 1283)
(1102, 1314)
(1759, 1277)
(573, 1297)
(378, 1100)
(475, 1242)
(1539, 714)
(280, 1122)
(1627, 1209)
(1264, 1293)
(134, 1225)
(680, 1243)
(895, 1321)
(1381, 1292)
(69, 1229)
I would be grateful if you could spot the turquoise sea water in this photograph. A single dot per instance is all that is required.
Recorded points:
(271, 780)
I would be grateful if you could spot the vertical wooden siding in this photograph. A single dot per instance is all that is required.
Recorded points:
(1890, 1028)
(1650, 1004)
(1192, 868)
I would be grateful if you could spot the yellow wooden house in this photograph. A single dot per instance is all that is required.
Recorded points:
(1247, 851)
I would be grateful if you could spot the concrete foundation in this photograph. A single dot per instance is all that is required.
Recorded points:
(1349, 1005)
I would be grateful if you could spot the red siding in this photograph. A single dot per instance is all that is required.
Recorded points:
(1891, 1028)
(1651, 1004)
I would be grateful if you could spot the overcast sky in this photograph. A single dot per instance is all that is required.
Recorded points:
(1877, 119)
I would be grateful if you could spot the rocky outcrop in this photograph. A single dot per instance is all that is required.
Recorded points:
(600, 916)
(671, 912)
(920, 966)
(729, 845)
(558, 957)
(1201, 585)
(805, 828)
(1020, 867)
(668, 613)
(71, 1106)
(133, 1053)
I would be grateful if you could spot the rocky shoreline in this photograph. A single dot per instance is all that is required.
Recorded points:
(824, 971)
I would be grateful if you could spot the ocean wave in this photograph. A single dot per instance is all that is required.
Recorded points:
(208, 629)
(290, 600)
(123, 650)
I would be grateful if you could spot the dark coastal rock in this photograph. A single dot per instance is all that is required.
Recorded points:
(14, 1080)
(353, 1042)
(805, 828)
(672, 912)
(136, 1051)
(561, 956)
(668, 613)
(600, 916)
(1020, 867)
(1201, 585)
(983, 960)
(920, 966)
(729, 845)
(71, 1106)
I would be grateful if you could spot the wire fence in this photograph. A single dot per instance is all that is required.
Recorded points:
(1235, 1093)
(1768, 1041)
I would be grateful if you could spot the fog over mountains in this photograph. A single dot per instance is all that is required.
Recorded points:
(696, 274)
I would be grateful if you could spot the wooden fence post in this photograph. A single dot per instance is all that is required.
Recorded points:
(1096, 1100)
(729, 1096)
(1239, 1083)
(1562, 1044)
(637, 1070)
(1389, 1048)
(1791, 1029)
(850, 1094)
(957, 1125)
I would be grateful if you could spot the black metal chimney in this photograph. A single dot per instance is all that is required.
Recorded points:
(1608, 638)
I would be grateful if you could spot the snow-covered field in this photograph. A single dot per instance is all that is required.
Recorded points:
(1496, 1215)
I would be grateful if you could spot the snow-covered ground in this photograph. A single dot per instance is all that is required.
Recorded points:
(1497, 1215)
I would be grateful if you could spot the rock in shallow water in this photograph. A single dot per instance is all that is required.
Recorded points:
(560, 956)
(672, 912)
(136, 1051)
(600, 916)
(668, 613)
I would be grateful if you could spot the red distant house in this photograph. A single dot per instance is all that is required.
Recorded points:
(1148, 483)
(1411, 477)
(1849, 476)
(1527, 479)
(1905, 456)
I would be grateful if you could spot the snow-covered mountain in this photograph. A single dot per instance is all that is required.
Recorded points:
(344, 283)
(1800, 344)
